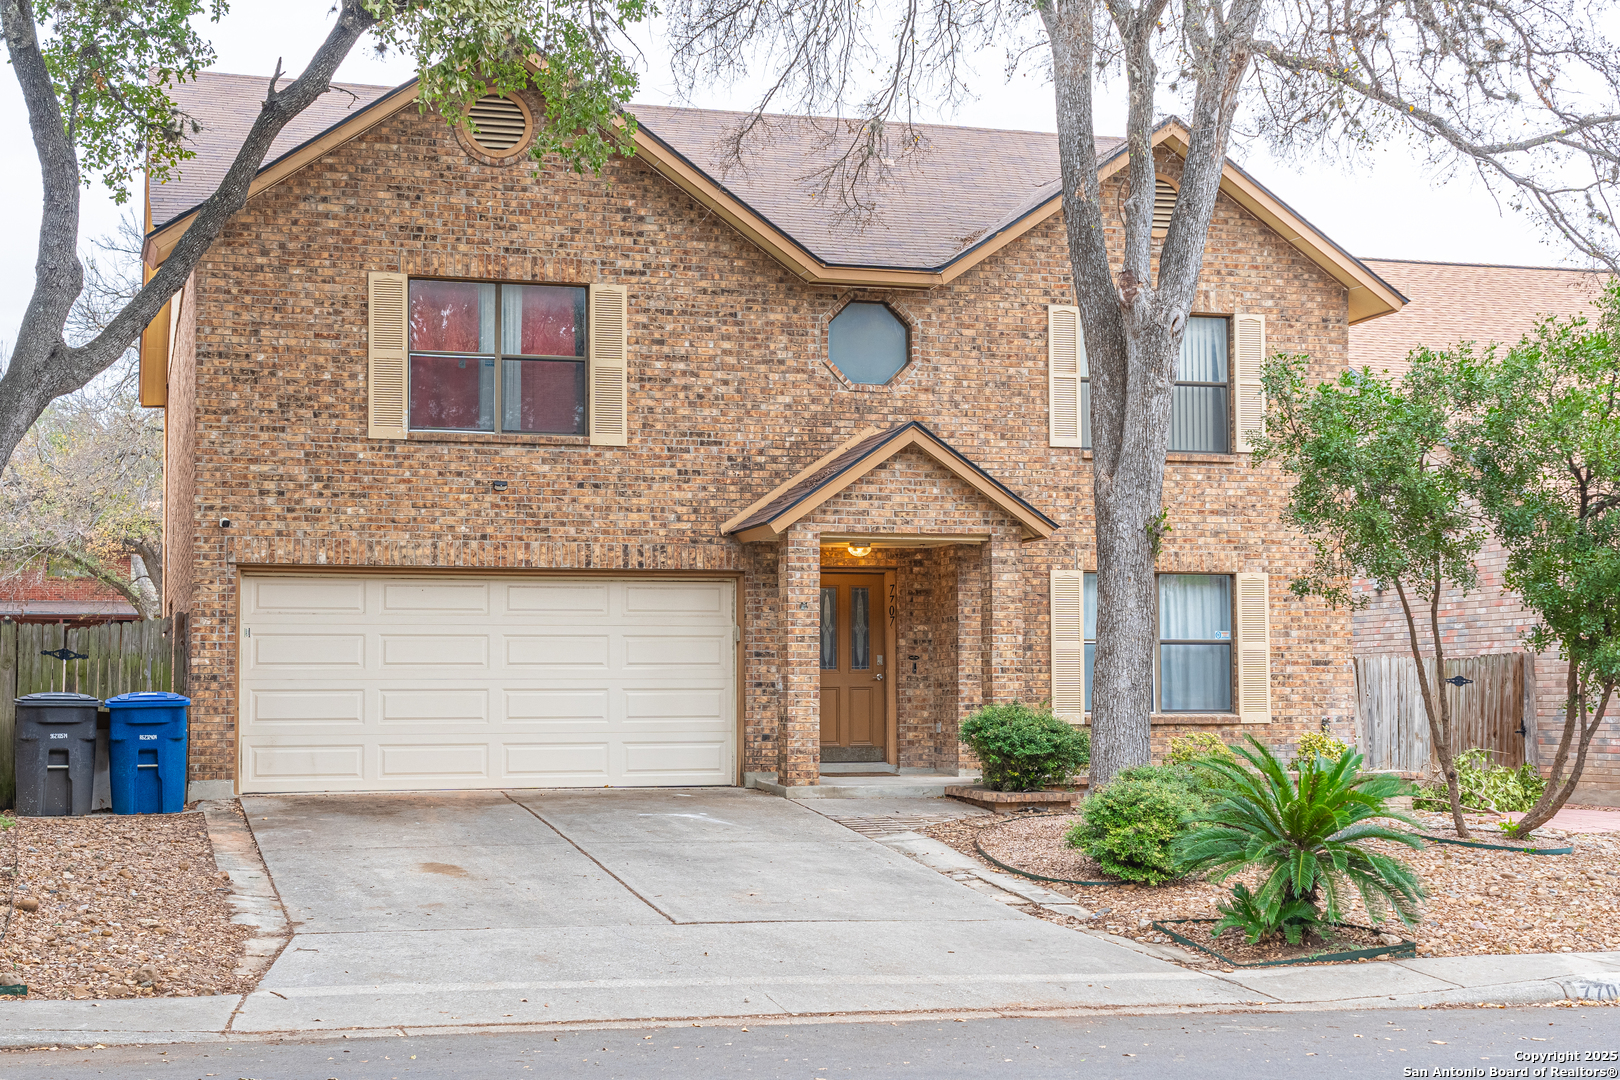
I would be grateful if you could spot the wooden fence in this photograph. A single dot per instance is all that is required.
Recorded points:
(118, 658)
(1494, 710)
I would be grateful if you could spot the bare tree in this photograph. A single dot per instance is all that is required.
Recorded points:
(1525, 91)
(95, 77)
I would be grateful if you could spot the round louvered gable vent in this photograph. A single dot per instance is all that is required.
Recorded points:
(1164, 204)
(501, 125)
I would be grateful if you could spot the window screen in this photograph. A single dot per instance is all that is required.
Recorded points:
(1198, 409)
(1195, 643)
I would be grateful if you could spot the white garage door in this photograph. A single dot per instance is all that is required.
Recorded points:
(400, 684)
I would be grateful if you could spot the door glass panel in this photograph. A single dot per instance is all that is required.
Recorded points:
(860, 636)
(829, 629)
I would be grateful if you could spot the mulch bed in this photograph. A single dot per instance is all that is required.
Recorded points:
(111, 906)
(1479, 901)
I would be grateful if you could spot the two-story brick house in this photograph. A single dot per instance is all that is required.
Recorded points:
(484, 478)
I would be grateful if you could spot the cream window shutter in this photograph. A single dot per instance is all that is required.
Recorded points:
(385, 352)
(1250, 332)
(1065, 364)
(1253, 649)
(1068, 646)
(610, 406)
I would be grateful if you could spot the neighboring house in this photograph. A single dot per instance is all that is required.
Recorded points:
(40, 593)
(1451, 303)
(483, 478)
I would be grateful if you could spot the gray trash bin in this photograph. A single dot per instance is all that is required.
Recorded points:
(56, 753)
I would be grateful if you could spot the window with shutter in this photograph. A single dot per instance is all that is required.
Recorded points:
(610, 406)
(1254, 649)
(385, 353)
(1068, 645)
(1067, 421)
(1250, 334)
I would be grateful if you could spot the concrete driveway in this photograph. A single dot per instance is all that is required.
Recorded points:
(447, 910)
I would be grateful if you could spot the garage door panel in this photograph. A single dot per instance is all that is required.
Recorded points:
(571, 599)
(437, 598)
(485, 683)
(558, 651)
(272, 650)
(574, 708)
(303, 596)
(298, 708)
(298, 761)
(557, 763)
(435, 650)
(676, 650)
(455, 708)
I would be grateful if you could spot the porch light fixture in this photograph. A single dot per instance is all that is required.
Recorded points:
(860, 551)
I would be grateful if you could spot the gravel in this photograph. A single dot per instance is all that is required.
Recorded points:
(1479, 901)
(116, 906)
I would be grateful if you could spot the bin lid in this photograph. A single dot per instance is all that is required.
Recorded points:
(58, 697)
(148, 699)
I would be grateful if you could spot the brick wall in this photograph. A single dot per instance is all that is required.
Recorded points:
(730, 394)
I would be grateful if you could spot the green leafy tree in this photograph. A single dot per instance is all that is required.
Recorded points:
(1544, 440)
(95, 77)
(1379, 494)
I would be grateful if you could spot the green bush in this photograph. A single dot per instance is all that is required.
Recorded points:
(1186, 749)
(1024, 747)
(1485, 785)
(1131, 826)
(1306, 840)
(1317, 744)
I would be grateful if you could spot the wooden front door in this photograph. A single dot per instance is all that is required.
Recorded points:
(854, 627)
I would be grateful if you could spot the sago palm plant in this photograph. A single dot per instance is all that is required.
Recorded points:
(1307, 839)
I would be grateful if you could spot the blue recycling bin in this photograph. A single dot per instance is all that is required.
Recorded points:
(147, 759)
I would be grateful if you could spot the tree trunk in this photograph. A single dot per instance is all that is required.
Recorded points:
(1578, 731)
(1438, 713)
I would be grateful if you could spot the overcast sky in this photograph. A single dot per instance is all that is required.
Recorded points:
(1392, 209)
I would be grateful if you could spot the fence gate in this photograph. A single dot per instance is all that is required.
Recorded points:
(112, 659)
(1494, 709)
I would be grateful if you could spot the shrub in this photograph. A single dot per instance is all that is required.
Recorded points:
(1307, 841)
(1317, 744)
(1485, 785)
(1131, 826)
(1024, 747)
(1186, 749)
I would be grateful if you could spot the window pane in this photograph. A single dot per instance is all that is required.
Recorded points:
(1085, 412)
(1089, 605)
(1195, 607)
(867, 342)
(1203, 352)
(829, 629)
(1091, 656)
(1198, 419)
(544, 396)
(1195, 678)
(455, 392)
(542, 320)
(860, 636)
(452, 316)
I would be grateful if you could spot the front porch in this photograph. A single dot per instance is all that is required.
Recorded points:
(902, 602)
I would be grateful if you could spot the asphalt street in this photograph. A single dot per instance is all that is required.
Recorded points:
(1368, 1045)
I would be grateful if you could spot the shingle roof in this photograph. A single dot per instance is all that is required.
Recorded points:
(965, 184)
(226, 106)
(1449, 303)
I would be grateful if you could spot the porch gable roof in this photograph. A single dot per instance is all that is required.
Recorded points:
(769, 517)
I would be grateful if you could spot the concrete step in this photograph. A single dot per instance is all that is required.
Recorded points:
(832, 786)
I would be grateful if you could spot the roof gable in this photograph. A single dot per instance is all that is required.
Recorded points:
(771, 515)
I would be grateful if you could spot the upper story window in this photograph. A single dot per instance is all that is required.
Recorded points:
(498, 358)
(1201, 399)
(868, 343)
(1194, 617)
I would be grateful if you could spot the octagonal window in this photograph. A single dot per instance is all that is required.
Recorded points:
(867, 342)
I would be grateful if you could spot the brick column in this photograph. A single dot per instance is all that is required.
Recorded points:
(1003, 617)
(798, 738)
(970, 662)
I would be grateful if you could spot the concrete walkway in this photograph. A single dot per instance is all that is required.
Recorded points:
(490, 910)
